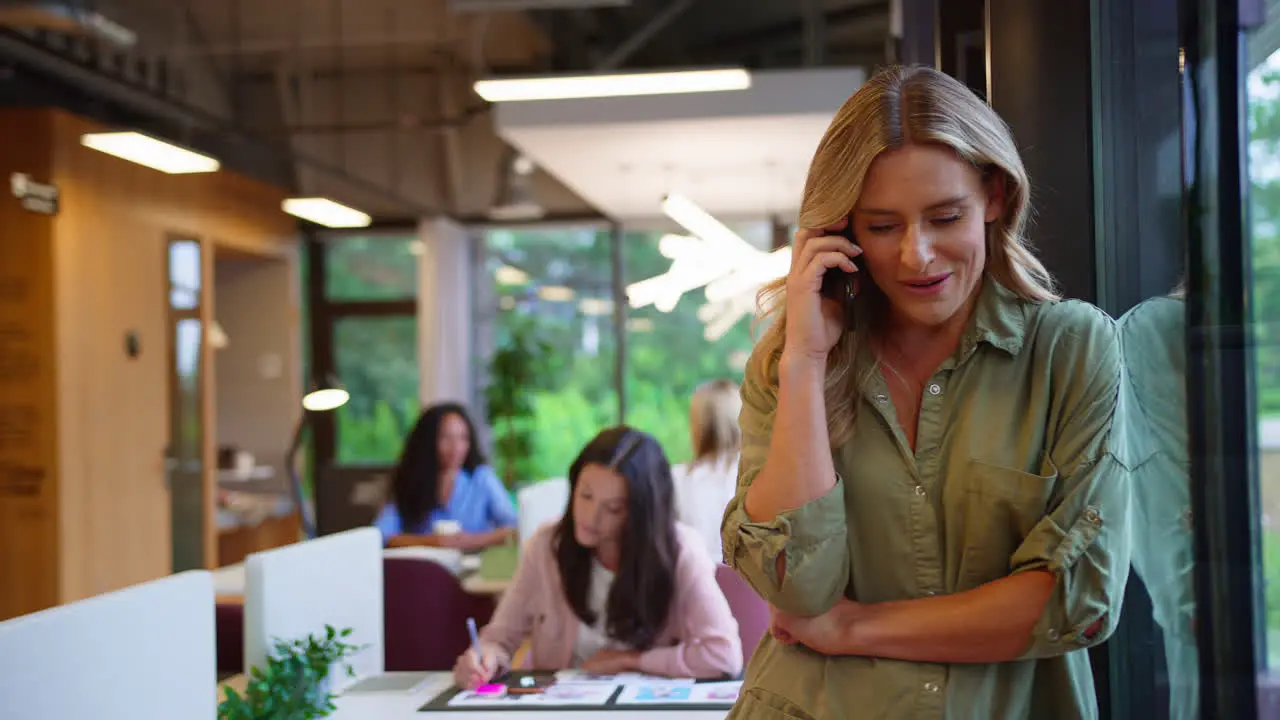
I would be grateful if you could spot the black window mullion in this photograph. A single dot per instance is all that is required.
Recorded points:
(1219, 375)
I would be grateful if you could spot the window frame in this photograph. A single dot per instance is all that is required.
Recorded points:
(324, 316)
(1221, 412)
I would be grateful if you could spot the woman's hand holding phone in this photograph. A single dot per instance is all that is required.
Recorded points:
(815, 322)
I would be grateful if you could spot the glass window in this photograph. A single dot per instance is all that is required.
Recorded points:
(1263, 93)
(184, 274)
(377, 359)
(371, 267)
(547, 304)
(670, 351)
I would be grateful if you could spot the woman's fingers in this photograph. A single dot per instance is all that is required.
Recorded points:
(778, 629)
(824, 244)
(824, 262)
(804, 235)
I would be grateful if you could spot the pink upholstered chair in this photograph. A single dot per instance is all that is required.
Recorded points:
(425, 615)
(229, 629)
(751, 612)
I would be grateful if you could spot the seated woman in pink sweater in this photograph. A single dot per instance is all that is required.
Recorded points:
(615, 586)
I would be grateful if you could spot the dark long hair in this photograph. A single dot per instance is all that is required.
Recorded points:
(640, 599)
(416, 482)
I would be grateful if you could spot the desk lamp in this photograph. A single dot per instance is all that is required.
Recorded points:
(326, 396)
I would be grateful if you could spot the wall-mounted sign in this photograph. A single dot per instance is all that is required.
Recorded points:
(35, 196)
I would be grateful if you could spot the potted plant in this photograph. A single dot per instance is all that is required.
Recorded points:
(296, 681)
(518, 367)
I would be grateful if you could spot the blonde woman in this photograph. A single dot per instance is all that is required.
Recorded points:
(930, 498)
(705, 485)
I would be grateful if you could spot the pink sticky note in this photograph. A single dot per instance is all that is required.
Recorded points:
(491, 689)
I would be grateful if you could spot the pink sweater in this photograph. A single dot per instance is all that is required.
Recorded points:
(699, 640)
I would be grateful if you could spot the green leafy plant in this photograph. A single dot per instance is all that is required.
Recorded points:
(516, 370)
(295, 683)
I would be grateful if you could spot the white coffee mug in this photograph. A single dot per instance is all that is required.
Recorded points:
(446, 527)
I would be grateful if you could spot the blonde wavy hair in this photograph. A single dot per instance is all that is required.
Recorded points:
(713, 420)
(899, 106)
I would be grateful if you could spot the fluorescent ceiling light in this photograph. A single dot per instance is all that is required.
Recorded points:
(748, 277)
(700, 223)
(671, 246)
(624, 85)
(323, 211)
(148, 151)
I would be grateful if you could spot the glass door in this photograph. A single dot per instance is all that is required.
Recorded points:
(1231, 116)
(186, 399)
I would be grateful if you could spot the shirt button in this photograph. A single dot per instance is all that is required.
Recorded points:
(882, 398)
(929, 593)
(935, 389)
(932, 687)
(1052, 635)
(920, 490)
(1092, 515)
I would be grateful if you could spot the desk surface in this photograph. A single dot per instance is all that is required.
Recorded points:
(497, 566)
(404, 706)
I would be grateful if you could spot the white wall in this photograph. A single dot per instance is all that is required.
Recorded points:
(258, 374)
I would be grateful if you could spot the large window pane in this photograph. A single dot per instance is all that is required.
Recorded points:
(554, 285)
(377, 361)
(1263, 92)
(670, 353)
(371, 267)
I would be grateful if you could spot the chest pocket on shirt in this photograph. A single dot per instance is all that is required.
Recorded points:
(1001, 506)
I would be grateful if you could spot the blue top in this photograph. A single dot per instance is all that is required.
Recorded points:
(479, 503)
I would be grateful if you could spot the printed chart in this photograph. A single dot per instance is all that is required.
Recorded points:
(575, 690)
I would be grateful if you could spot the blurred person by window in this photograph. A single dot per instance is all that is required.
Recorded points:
(705, 485)
(443, 493)
(1153, 335)
(617, 585)
(931, 497)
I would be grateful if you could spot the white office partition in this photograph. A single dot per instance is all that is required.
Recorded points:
(540, 503)
(142, 653)
(296, 590)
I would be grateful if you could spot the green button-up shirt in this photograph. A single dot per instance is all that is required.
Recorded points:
(1017, 467)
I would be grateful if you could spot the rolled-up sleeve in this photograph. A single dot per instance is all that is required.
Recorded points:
(1084, 541)
(812, 538)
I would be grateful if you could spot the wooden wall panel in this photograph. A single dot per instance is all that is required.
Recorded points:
(111, 249)
(111, 281)
(71, 288)
(28, 458)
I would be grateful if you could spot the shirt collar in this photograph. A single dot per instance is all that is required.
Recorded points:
(999, 320)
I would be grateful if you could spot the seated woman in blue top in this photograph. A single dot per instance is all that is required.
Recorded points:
(442, 476)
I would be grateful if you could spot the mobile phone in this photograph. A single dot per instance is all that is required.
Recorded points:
(528, 683)
(842, 286)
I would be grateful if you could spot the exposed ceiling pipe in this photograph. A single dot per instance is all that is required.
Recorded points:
(641, 37)
(145, 102)
(72, 18)
(466, 6)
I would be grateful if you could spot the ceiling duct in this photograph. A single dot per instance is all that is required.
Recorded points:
(466, 6)
(515, 201)
(72, 18)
